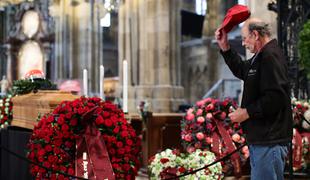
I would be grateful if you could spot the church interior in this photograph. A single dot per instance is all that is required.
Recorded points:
(101, 88)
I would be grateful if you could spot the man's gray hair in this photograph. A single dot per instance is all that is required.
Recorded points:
(261, 27)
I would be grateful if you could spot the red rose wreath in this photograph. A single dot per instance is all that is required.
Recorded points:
(52, 143)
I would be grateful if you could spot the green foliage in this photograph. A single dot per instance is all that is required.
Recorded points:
(26, 86)
(304, 48)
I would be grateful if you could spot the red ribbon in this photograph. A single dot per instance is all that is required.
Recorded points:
(92, 158)
(235, 158)
(297, 150)
(216, 144)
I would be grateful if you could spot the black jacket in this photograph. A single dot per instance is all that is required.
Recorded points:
(266, 94)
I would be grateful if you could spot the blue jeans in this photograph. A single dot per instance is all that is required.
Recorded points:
(267, 161)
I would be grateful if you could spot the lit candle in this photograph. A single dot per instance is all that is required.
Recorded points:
(125, 86)
(101, 79)
(85, 88)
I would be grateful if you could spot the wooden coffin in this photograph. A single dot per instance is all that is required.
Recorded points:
(26, 108)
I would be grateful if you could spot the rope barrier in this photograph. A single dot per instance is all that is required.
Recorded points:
(31, 162)
(202, 168)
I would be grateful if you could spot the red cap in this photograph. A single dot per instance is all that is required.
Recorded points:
(34, 74)
(234, 16)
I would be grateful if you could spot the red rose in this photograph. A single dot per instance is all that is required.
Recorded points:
(106, 114)
(299, 106)
(31, 155)
(164, 160)
(112, 151)
(57, 143)
(127, 149)
(51, 158)
(116, 130)
(73, 122)
(64, 127)
(41, 152)
(115, 166)
(182, 170)
(126, 167)
(108, 122)
(50, 119)
(47, 139)
(60, 177)
(48, 148)
(66, 134)
(124, 134)
(81, 111)
(40, 159)
(60, 120)
(47, 164)
(119, 144)
(68, 115)
(99, 120)
(121, 151)
(129, 142)
(71, 171)
(210, 107)
(68, 144)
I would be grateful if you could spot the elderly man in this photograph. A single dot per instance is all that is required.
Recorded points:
(265, 113)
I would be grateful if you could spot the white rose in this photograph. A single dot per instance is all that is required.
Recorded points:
(305, 125)
(307, 115)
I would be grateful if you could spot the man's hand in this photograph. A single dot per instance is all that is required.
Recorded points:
(221, 38)
(239, 115)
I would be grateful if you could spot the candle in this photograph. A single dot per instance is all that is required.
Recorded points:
(125, 86)
(85, 88)
(101, 79)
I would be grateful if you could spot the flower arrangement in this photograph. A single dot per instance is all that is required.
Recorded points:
(301, 114)
(6, 113)
(52, 143)
(301, 138)
(207, 126)
(172, 163)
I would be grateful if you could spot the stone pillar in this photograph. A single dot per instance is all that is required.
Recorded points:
(149, 40)
(9, 73)
(78, 40)
(212, 21)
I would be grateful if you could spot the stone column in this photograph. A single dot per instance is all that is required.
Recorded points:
(9, 73)
(212, 21)
(149, 39)
(78, 40)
